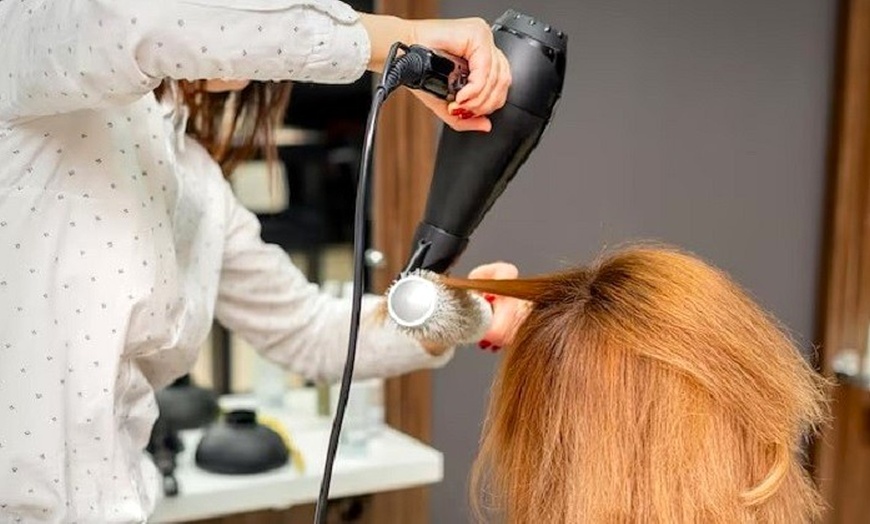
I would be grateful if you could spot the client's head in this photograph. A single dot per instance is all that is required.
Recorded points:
(646, 388)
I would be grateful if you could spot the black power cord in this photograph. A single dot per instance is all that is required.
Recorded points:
(417, 68)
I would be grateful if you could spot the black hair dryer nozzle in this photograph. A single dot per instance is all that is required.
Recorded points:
(472, 169)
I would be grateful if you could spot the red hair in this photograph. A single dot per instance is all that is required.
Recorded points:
(646, 388)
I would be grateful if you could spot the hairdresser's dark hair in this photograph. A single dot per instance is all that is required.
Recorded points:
(646, 388)
(234, 126)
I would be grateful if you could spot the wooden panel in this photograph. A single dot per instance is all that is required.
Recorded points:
(842, 456)
(405, 153)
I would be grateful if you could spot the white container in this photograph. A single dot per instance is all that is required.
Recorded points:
(270, 383)
(363, 416)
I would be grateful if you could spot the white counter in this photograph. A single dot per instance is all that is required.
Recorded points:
(394, 461)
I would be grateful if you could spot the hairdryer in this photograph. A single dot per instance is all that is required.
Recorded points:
(471, 172)
(472, 169)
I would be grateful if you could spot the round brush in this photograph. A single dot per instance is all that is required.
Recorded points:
(421, 306)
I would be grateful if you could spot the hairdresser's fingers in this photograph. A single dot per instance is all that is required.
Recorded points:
(480, 57)
(495, 271)
(456, 121)
(477, 104)
(471, 101)
(507, 315)
(496, 92)
(468, 38)
(505, 311)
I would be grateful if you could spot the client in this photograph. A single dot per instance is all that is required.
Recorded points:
(647, 388)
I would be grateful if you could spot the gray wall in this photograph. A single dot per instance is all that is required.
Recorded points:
(701, 123)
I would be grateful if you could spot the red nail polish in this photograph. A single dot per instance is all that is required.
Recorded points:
(484, 344)
(456, 112)
(495, 349)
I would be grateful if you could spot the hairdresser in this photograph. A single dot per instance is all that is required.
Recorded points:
(122, 241)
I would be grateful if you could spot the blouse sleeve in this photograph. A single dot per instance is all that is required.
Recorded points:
(65, 56)
(267, 301)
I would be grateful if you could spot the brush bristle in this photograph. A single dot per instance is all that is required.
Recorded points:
(460, 317)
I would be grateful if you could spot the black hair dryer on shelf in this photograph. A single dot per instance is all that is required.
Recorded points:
(473, 169)
(183, 405)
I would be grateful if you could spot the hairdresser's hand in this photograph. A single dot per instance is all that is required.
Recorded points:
(470, 38)
(489, 76)
(507, 313)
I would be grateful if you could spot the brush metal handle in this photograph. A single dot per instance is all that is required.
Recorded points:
(412, 301)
